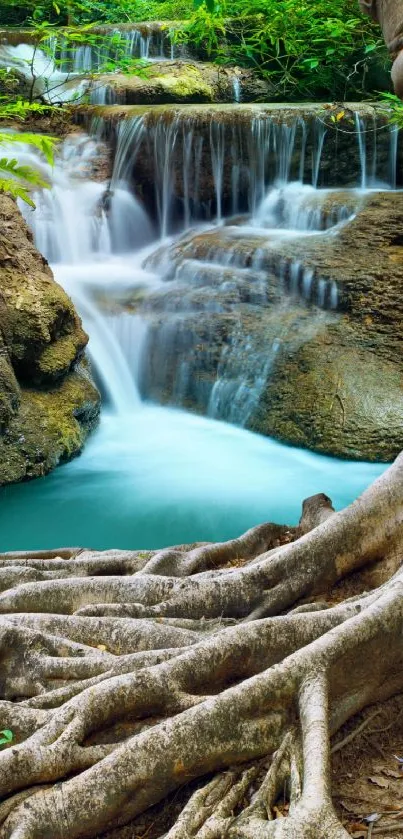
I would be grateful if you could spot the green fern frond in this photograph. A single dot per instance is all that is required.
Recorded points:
(22, 173)
(42, 142)
(16, 190)
(21, 179)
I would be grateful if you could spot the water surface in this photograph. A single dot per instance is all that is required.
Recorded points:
(160, 477)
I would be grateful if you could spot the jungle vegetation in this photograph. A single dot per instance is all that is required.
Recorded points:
(308, 49)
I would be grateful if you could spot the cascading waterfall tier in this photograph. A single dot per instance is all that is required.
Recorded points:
(116, 44)
(206, 163)
(43, 78)
(59, 70)
(162, 476)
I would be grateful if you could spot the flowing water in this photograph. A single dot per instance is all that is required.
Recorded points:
(59, 71)
(150, 475)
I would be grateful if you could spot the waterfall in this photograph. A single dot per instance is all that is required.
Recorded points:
(44, 79)
(394, 138)
(200, 321)
(159, 324)
(361, 139)
(243, 156)
(86, 230)
(237, 88)
(78, 218)
(59, 71)
(117, 45)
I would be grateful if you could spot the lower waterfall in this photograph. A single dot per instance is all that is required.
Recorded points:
(153, 475)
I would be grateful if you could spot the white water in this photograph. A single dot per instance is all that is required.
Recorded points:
(59, 72)
(87, 243)
(237, 87)
(150, 475)
(255, 156)
(116, 45)
(44, 80)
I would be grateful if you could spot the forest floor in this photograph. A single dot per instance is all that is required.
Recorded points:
(367, 778)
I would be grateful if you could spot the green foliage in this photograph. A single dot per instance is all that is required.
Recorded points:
(19, 109)
(206, 30)
(17, 179)
(394, 108)
(137, 67)
(7, 736)
(306, 48)
(303, 50)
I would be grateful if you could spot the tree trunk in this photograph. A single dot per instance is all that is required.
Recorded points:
(126, 675)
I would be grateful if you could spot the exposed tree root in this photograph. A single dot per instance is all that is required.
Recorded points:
(126, 675)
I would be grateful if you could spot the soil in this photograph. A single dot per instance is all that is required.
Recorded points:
(367, 777)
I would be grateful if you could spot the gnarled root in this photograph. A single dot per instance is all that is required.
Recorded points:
(127, 675)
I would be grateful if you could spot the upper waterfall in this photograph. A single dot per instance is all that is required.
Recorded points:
(207, 163)
(58, 70)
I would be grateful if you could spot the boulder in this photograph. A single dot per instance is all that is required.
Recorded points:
(179, 81)
(48, 402)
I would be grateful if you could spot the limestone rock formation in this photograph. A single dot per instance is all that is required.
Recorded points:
(48, 402)
(342, 391)
(299, 339)
(183, 81)
(232, 148)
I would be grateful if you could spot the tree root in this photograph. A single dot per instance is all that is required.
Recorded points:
(126, 675)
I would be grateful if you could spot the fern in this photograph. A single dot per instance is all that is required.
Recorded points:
(17, 180)
(16, 190)
(42, 142)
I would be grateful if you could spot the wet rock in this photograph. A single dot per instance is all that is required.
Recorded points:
(41, 328)
(220, 159)
(181, 82)
(48, 403)
(316, 361)
(335, 396)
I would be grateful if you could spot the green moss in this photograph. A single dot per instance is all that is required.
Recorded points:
(58, 357)
(48, 403)
(50, 427)
(9, 391)
(36, 314)
(188, 85)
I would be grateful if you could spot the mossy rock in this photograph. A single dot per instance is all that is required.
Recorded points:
(48, 402)
(334, 396)
(183, 82)
(9, 390)
(40, 326)
(328, 380)
(50, 427)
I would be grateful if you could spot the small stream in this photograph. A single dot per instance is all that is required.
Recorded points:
(150, 475)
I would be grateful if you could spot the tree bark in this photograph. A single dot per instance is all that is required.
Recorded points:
(389, 14)
(126, 674)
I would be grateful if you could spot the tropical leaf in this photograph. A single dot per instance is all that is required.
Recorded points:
(21, 179)
(45, 144)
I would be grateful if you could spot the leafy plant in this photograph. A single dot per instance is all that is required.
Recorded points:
(305, 48)
(6, 736)
(17, 179)
(394, 107)
(296, 44)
